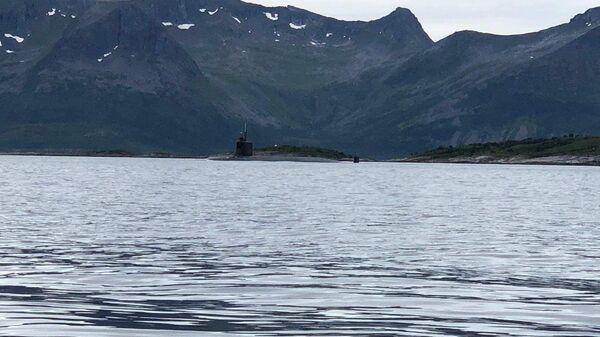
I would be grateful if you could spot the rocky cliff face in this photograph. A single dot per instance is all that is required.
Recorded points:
(183, 75)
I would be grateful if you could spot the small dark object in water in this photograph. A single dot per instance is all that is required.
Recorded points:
(244, 148)
(356, 160)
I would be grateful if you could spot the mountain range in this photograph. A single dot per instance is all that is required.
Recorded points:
(184, 76)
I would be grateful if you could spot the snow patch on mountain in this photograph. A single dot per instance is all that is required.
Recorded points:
(167, 24)
(186, 26)
(272, 16)
(52, 12)
(16, 38)
(236, 19)
(297, 27)
(213, 12)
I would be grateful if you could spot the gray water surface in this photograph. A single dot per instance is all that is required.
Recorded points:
(145, 247)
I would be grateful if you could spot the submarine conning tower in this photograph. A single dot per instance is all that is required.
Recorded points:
(244, 147)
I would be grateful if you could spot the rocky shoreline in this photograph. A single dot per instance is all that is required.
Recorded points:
(516, 160)
(263, 158)
(100, 155)
(564, 160)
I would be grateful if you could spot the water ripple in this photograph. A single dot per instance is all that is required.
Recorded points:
(129, 247)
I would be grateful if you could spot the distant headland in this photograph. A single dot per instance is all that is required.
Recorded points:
(568, 150)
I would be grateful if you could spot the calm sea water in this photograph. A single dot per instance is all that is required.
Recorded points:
(144, 247)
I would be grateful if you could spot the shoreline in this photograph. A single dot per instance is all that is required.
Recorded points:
(85, 155)
(587, 161)
(563, 160)
(259, 158)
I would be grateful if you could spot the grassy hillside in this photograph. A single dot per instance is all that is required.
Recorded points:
(529, 148)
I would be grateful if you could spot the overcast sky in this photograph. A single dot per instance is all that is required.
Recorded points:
(441, 18)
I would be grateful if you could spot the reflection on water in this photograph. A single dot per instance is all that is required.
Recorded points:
(130, 247)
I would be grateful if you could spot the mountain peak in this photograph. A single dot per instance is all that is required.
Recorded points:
(404, 24)
(590, 18)
(400, 13)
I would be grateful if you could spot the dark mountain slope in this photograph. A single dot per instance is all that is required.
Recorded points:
(555, 93)
(470, 88)
(118, 78)
(178, 75)
(282, 64)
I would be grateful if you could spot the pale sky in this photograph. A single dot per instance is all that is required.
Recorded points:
(441, 18)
